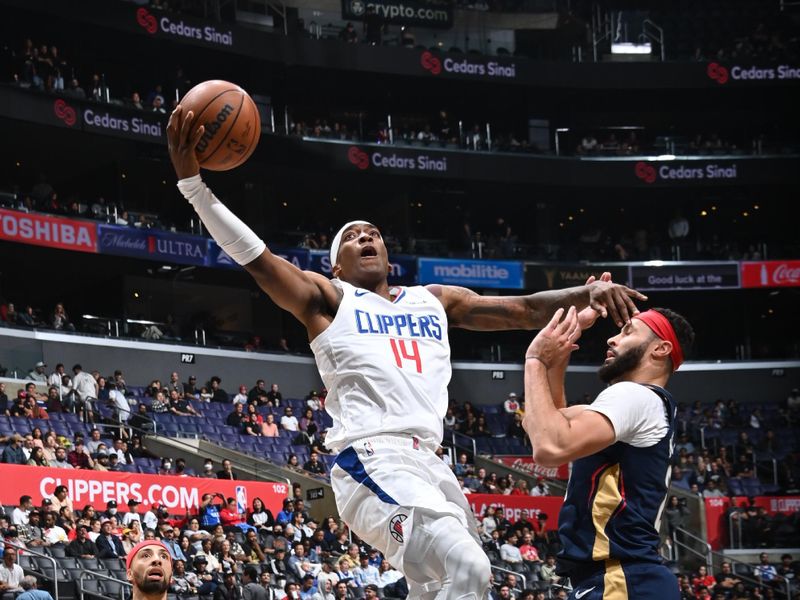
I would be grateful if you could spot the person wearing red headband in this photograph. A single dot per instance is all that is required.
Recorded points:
(149, 569)
(620, 446)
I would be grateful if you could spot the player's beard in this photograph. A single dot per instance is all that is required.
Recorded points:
(622, 364)
(152, 587)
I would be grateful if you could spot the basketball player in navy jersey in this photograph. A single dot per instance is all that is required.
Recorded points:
(384, 356)
(620, 445)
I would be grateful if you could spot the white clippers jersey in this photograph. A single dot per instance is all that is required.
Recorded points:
(386, 366)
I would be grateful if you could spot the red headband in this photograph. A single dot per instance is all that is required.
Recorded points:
(660, 325)
(139, 546)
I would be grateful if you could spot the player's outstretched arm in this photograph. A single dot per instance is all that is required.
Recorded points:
(558, 436)
(469, 310)
(306, 295)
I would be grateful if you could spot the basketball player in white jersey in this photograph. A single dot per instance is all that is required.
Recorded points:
(384, 356)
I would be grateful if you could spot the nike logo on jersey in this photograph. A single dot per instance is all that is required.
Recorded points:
(582, 593)
(360, 293)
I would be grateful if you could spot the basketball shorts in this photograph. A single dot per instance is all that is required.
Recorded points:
(624, 581)
(383, 483)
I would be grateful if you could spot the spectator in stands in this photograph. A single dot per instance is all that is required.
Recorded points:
(510, 554)
(78, 457)
(38, 372)
(12, 453)
(515, 429)
(726, 580)
(712, 491)
(228, 590)
(60, 461)
(680, 478)
(541, 488)
(82, 546)
(53, 533)
(60, 320)
(181, 405)
(764, 570)
(227, 471)
(703, 579)
(207, 577)
(274, 396)
(108, 544)
(257, 394)
(11, 573)
(37, 458)
(208, 470)
(190, 387)
(242, 397)
(269, 428)
(313, 465)
(141, 420)
(289, 421)
(235, 418)
(512, 405)
(348, 34)
(217, 393)
(675, 514)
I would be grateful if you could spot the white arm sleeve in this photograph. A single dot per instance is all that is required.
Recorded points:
(228, 230)
(636, 412)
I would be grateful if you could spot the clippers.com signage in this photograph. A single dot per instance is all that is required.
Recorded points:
(43, 230)
(153, 23)
(475, 67)
(746, 73)
(178, 494)
(673, 172)
(392, 159)
(771, 273)
(515, 507)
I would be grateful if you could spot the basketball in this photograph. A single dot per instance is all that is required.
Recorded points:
(231, 120)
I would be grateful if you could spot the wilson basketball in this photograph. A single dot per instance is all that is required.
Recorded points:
(231, 120)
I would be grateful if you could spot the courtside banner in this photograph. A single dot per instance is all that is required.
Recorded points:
(717, 530)
(178, 494)
(771, 273)
(514, 507)
(44, 230)
(472, 273)
(526, 465)
(555, 276)
(685, 276)
(420, 13)
(153, 244)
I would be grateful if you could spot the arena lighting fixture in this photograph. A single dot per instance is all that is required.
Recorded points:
(665, 157)
(631, 48)
(654, 263)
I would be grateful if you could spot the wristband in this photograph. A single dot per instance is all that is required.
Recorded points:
(539, 358)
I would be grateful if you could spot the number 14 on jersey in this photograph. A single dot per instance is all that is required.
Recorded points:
(406, 352)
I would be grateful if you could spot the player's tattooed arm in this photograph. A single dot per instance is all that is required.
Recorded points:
(468, 310)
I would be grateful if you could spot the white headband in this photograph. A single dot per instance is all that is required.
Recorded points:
(337, 239)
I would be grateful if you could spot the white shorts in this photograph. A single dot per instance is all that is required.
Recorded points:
(381, 482)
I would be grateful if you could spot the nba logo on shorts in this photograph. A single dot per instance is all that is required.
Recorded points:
(241, 499)
(396, 527)
(368, 448)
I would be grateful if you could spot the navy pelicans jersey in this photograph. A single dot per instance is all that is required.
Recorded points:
(386, 366)
(615, 497)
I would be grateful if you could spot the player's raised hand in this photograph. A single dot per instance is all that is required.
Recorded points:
(182, 138)
(556, 341)
(588, 316)
(613, 299)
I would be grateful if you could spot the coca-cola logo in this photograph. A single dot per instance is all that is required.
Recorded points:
(645, 172)
(65, 112)
(784, 274)
(358, 157)
(717, 72)
(146, 21)
(430, 62)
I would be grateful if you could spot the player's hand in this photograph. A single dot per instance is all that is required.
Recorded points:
(553, 344)
(588, 316)
(182, 138)
(614, 299)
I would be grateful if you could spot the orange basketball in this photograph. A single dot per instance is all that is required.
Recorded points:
(231, 120)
